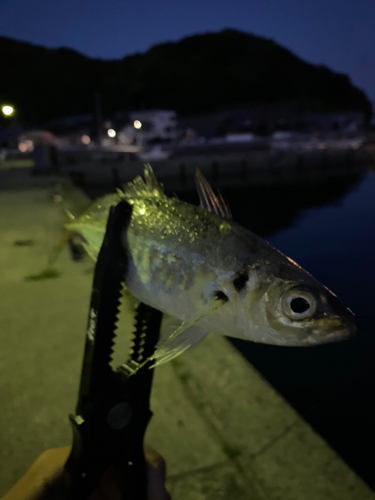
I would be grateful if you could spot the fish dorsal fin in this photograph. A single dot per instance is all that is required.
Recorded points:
(151, 181)
(208, 199)
(141, 187)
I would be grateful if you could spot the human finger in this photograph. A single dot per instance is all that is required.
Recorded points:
(109, 487)
(156, 474)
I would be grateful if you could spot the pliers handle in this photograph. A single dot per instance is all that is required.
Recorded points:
(113, 408)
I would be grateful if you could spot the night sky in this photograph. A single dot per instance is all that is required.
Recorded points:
(337, 33)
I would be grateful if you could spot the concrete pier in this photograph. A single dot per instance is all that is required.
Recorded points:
(256, 168)
(224, 431)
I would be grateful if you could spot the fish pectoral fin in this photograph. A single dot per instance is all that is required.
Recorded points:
(184, 341)
(206, 309)
(185, 334)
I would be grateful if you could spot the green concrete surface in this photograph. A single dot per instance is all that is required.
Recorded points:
(17, 163)
(224, 431)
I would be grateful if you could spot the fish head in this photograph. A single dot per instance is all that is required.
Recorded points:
(292, 308)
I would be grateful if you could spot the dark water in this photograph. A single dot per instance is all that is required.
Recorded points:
(329, 229)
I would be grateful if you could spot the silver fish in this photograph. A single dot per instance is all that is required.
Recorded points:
(210, 274)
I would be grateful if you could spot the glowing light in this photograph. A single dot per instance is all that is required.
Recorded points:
(85, 139)
(137, 124)
(142, 211)
(26, 146)
(111, 132)
(7, 110)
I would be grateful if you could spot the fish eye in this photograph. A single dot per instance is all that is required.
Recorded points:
(298, 303)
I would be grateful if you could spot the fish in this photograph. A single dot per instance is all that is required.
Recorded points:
(207, 273)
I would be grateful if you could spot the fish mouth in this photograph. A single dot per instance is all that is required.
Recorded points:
(344, 332)
(338, 331)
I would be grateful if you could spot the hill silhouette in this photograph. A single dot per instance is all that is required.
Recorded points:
(200, 73)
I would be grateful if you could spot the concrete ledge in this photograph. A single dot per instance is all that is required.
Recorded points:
(270, 446)
(224, 431)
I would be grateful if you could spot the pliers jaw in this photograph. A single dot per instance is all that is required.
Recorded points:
(113, 407)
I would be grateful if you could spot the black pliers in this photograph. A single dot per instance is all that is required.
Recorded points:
(113, 408)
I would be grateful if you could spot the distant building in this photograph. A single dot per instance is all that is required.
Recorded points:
(123, 129)
(155, 125)
(72, 131)
(258, 119)
(344, 122)
(269, 118)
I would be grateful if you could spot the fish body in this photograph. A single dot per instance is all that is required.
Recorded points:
(211, 274)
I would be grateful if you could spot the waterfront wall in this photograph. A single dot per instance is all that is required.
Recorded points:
(255, 168)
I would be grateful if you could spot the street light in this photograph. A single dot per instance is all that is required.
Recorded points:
(111, 132)
(7, 110)
(139, 136)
